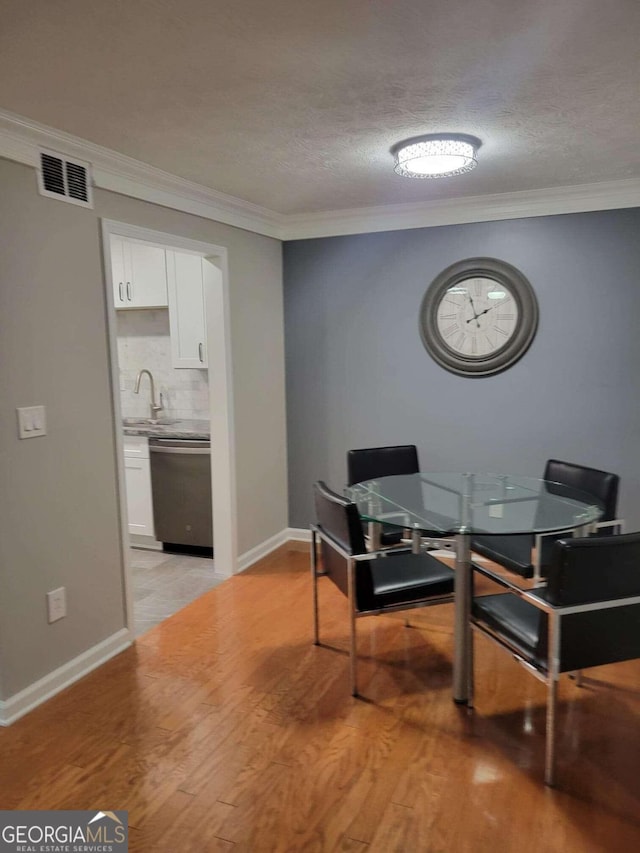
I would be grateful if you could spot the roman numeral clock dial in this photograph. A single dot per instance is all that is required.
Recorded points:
(478, 317)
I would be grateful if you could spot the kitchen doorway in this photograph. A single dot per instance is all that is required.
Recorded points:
(220, 398)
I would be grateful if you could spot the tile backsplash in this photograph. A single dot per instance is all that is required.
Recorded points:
(143, 341)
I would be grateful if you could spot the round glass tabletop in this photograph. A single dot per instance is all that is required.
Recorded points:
(442, 504)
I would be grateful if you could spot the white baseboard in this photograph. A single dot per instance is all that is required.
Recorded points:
(35, 694)
(297, 534)
(254, 554)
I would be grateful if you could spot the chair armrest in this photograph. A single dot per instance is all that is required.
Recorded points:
(537, 597)
(318, 533)
(537, 565)
(381, 552)
(384, 552)
(616, 522)
(555, 534)
(599, 525)
(534, 597)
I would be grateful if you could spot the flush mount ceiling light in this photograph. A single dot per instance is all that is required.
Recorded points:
(437, 155)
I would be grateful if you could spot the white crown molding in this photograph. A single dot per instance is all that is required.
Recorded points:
(21, 139)
(518, 205)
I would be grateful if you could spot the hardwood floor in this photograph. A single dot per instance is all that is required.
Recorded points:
(225, 729)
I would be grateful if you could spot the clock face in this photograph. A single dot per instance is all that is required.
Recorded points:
(478, 317)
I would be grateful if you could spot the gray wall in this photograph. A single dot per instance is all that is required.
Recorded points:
(358, 375)
(58, 504)
(58, 512)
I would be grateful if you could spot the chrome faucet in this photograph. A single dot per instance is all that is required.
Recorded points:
(156, 408)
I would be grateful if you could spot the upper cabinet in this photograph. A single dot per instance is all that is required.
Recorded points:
(186, 275)
(139, 274)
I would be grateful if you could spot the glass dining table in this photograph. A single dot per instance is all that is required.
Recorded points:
(447, 509)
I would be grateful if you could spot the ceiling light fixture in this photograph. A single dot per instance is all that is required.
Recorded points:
(437, 155)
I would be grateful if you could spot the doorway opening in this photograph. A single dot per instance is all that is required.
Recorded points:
(220, 408)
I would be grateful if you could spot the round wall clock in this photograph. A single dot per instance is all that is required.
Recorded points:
(478, 317)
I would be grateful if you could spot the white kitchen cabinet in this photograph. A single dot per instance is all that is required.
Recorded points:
(187, 322)
(139, 274)
(138, 483)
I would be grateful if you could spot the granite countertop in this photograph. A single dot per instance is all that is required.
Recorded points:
(173, 429)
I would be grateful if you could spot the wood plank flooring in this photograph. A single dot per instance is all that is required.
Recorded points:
(225, 729)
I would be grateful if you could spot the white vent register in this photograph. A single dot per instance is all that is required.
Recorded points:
(65, 179)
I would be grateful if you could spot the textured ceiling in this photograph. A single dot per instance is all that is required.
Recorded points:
(294, 104)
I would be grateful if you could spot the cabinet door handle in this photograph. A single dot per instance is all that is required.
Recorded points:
(200, 352)
(129, 291)
(120, 291)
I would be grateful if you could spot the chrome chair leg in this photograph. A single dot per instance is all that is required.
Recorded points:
(550, 754)
(314, 580)
(352, 630)
(552, 697)
(470, 670)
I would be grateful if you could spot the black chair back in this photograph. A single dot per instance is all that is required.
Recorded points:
(595, 569)
(338, 519)
(371, 462)
(602, 484)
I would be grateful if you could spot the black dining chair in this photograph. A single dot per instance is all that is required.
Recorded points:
(529, 554)
(369, 463)
(587, 615)
(374, 582)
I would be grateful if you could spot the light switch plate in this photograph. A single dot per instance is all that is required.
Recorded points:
(32, 421)
(57, 604)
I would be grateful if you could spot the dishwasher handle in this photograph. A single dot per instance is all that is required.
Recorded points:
(180, 447)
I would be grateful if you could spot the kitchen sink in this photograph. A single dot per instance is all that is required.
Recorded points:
(148, 421)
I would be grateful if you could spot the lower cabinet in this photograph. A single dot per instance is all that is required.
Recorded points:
(138, 480)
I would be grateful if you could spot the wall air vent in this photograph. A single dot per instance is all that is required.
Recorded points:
(64, 179)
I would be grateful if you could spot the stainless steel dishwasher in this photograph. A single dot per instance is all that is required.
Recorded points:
(181, 488)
